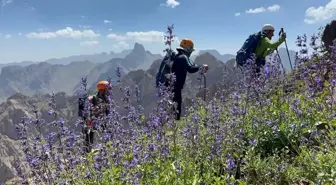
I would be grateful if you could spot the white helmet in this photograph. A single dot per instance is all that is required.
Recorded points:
(267, 27)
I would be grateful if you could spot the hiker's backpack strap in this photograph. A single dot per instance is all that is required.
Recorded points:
(248, 48)
(165, 67)
(190, 62)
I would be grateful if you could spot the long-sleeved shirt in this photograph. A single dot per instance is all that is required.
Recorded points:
(266, 46)
(180, 67)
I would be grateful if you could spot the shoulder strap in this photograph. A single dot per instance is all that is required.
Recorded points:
(190, 62)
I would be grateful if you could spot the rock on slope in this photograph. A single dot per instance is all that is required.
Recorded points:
(11, 112)
(329, 33)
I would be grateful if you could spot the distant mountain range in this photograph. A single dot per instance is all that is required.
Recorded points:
(44, 77)
(96, 58)
(64, 74)
(224, 58)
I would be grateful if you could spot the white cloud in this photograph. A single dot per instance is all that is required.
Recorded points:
(122, 45)
(6, 2)
(321, 13)
(8, 36)
(149, 36)
(171, 3)
(257, 10)
(66, 33)
(89, 43)
(107, 21)
(116, 37)
(237, 14)
(273, 8)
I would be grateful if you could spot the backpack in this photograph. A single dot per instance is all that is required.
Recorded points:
(248, 48)
(81, 104)
(165, 68)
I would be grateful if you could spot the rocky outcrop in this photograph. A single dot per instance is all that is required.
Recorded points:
(329, 34)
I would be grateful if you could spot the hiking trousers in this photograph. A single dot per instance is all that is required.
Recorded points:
(178, 99)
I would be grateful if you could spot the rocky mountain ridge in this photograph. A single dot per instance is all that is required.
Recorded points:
(45, 77)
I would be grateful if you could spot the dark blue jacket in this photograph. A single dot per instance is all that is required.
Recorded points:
(182, 64)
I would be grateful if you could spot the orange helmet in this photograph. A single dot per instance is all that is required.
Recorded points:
(102, 85)
(187, 44)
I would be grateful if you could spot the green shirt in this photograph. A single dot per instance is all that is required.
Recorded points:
(266, 46)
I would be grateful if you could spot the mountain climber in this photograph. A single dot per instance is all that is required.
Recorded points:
(98, 108)
(181, 65)
(259, 44)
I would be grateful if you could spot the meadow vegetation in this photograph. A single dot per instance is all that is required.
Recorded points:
(275, 128)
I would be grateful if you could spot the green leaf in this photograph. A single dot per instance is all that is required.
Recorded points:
(240, 182)
(333, 123)
(195, 179)
(174, 168)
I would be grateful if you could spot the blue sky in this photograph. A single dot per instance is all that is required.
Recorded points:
(41, 29)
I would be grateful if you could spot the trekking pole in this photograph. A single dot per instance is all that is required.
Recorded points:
(290, 61)
(204, 95)
(203, 74)
(283, 68)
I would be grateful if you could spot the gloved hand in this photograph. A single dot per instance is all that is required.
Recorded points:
(283, 35)
(205, 68)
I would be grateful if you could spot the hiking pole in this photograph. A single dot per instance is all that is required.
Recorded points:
(283, 68)
(204, 95)
(290, 61)
(204, 83)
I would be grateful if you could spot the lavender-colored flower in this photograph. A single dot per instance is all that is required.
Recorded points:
(230, 163)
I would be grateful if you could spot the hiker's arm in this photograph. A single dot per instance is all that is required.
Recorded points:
(272, 45)
(189, 66)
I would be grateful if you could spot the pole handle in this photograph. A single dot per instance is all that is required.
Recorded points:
(281, 31)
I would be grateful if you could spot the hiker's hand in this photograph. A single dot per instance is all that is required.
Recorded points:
(283, 35)
(205, 68)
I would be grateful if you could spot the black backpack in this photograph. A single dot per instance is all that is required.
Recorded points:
(165, 68)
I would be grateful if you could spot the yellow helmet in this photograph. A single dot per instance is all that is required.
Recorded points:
(187, 44)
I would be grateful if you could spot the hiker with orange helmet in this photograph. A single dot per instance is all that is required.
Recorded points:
(98, 109)
(182, 64)
(103, 88)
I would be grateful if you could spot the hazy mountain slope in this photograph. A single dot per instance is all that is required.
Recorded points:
(224, 58)
(105, 70)
(42, 78)
(23, 63)
(96, 58)
(139, 58)
(45, 77)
